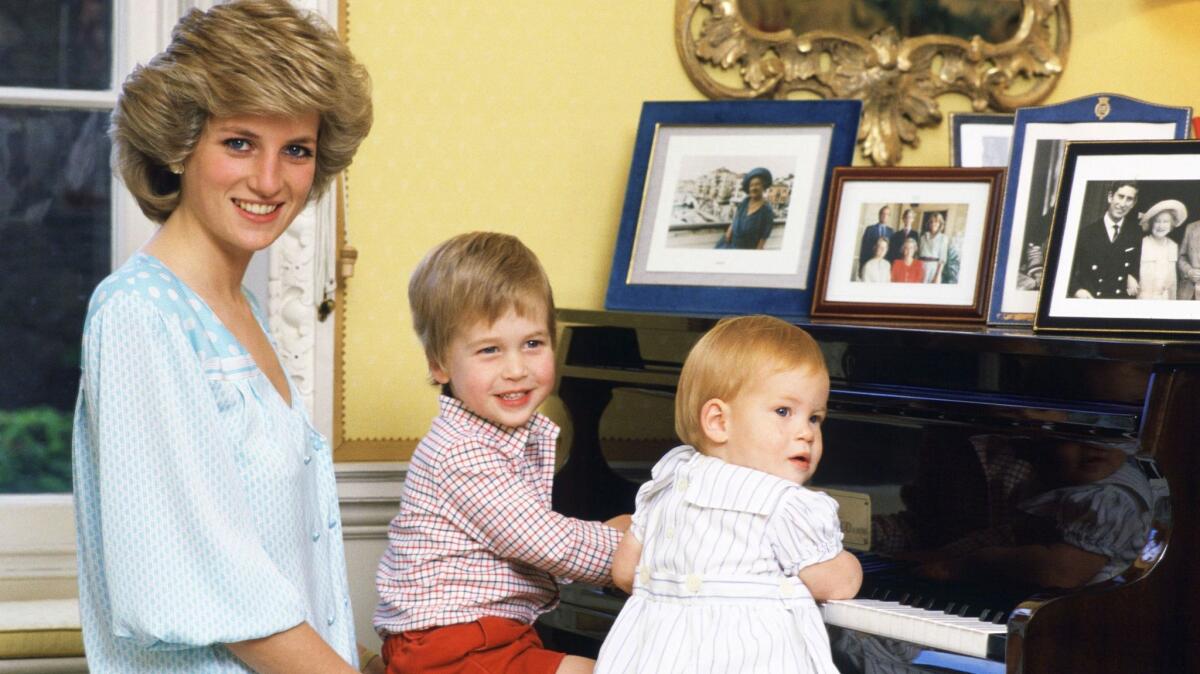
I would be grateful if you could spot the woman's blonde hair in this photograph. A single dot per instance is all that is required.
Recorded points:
(261, 57)
(734, 352)
(475, 277)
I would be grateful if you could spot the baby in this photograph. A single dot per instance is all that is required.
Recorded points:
(727, 551)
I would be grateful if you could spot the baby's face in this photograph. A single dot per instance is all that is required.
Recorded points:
(774, 423)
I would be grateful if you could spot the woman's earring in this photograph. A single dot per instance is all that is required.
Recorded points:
(175, 168)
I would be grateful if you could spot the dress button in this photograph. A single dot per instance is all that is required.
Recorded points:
(332, 522)
(682, 485)
(693, 583)
(644, 575)
(330, 620)
(316, 536)
(787, 588)
(307, 459)
(670, 532)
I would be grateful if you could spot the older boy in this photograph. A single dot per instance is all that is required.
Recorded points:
(473, 555)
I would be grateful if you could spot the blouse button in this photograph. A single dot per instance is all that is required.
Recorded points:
(332, 522)
(329, 620)
(644, 574)
(307, 459)
(682, 485)
(316, 536)
(670, 532)
(786, 587)
(693, 583)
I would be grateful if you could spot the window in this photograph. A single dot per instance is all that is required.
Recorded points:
(57, 215)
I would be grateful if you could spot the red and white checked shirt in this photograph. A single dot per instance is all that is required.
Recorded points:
(476, 536)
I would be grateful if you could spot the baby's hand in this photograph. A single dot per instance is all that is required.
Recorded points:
(620, 523)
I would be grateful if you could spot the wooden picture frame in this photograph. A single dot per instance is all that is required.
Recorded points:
(856, 279)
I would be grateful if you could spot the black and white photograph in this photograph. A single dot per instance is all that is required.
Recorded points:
(731, 203)
(980, 139)
(911, 243)
(1039, 138)
(1129, 244)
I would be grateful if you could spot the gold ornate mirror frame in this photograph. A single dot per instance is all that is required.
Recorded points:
(898, 79)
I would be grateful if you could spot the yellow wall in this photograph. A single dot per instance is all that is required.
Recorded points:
(519, 116)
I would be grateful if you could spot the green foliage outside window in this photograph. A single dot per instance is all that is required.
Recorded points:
(35, 451)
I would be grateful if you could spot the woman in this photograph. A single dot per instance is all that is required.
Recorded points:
(877, 269)
(1157, 272)
(206, 508)
(753, 218)
(908, 269)
(932, 249)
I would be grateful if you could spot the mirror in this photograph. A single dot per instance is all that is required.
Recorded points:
(897, 56)
(992, 20)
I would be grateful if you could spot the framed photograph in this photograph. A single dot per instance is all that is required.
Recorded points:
(725, 203)
(1039, 136)
(1125, 246)
(909, 243)
(980, 139)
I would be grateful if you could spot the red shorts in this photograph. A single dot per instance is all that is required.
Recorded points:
(491, 645)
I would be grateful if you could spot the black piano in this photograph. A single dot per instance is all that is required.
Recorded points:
(953, 434)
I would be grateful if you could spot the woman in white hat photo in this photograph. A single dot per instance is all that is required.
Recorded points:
(1159, 252)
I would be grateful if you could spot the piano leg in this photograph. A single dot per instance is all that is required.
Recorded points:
(586, 487)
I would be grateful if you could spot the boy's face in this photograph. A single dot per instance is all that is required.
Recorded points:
(503, 371)
(774, 424)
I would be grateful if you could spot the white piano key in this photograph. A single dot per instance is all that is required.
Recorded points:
(934, 629)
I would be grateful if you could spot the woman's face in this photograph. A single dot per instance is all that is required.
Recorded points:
(935, 224)
(755, 188)
(909, 249)
(1161, 225)
(881, 246)
(248, 178)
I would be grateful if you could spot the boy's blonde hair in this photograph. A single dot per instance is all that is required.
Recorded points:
(733, 353)
(475, 277)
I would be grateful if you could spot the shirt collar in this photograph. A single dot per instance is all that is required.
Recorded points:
(510, 442)
(1109, 223)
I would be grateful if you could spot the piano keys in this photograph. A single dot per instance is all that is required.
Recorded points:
(907, 409)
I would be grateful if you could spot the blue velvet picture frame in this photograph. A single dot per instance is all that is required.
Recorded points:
(725, 293)
(1033, 177)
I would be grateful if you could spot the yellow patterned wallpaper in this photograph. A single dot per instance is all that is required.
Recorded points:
(519, 116)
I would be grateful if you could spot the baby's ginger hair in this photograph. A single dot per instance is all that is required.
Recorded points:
(729, 356)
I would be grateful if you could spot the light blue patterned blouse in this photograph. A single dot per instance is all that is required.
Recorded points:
(206, 507)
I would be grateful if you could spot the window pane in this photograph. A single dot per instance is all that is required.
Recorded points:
(55, 229)
(56, 44)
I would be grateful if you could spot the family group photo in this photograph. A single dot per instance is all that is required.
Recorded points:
(910, 243)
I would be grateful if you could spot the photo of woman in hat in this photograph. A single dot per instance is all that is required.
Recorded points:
(1159, 252)
(753, 219)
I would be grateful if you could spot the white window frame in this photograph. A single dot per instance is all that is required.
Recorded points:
(37, 533)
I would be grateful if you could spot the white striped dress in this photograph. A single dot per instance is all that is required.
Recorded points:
(717, 587)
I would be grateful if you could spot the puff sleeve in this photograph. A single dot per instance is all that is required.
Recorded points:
(181, 563)
(1107, 520)
(804, 530)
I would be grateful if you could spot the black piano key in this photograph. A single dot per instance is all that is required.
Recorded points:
(985, 615)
